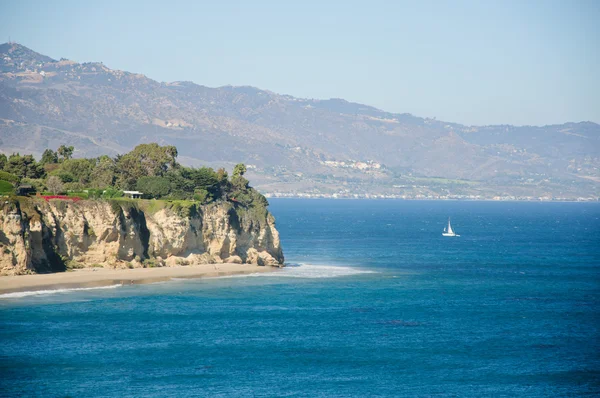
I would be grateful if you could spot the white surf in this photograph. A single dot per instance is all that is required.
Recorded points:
(314, 271)
(54, 291)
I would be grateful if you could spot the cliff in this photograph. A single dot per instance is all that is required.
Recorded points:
(38, 236)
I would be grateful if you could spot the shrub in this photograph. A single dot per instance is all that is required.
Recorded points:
(71, 264)
(150, 263)
(82, 195)
(111, 193)
(13, 179)
(94, 193)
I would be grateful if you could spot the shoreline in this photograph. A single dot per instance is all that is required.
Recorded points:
(593, 200)
(100, 277)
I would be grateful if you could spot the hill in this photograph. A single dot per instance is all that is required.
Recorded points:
(293, 145)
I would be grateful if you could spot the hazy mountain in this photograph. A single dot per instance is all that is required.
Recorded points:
(295, 144)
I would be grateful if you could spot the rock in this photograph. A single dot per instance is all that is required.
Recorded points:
(135, 263)
(264, 258)
(234, 260)
(38, 235)
(252, 256)
(172, 261)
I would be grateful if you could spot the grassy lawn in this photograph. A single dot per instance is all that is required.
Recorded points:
(6, 188)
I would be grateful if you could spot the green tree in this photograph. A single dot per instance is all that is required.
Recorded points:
(49, 157)
(80, 169)
(222, 175)
(145, 160)
(204, 177)
(64, 176)
(181, 187)
(202, 196)
(239, 169)
(156, 187)
(65, 151)
(104, 173)
(239, 183)
(3, 161)
(24, 166)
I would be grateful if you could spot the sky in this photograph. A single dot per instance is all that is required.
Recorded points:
(473, 62)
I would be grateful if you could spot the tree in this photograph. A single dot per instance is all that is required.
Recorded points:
(239, 183)
(55, 185)
(155, 187)
(63, 176)
(202, 196)
(3, 161)
(204, 177)
(145, 160)
(104, 173)
(24, 166)
(65, 151)
(49, 157)
(222, 175)
(239, 169)
(80, 169)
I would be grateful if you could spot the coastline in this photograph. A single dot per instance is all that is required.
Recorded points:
(533, 200)
(99, 277)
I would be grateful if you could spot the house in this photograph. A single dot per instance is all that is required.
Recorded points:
(23, 190)
(133, 194)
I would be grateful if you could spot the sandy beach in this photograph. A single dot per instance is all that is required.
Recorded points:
(97, 277)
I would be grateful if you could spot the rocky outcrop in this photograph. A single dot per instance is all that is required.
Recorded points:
(40, 236)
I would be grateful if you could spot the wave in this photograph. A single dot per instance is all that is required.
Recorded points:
(40, 292)
(307, 271)
(313, 271)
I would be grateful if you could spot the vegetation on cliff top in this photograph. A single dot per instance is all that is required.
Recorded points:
(149, 168)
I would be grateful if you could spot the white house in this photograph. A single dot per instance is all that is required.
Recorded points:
(133, 194)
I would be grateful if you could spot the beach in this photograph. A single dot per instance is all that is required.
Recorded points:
(98, 277)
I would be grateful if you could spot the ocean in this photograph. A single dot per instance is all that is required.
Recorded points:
(374, 303)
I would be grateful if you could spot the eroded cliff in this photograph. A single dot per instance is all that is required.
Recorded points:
(40, 236)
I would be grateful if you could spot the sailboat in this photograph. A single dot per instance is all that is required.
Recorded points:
(448, 231)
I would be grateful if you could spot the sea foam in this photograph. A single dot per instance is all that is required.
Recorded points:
(314, 271)
(40, 292)
(307, 271)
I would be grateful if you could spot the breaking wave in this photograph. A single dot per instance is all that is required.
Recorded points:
(53, 291)
(313, 271)
(307, 271)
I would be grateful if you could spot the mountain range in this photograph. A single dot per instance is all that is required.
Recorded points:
(293, 146)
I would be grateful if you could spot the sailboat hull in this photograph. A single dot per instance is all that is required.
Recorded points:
(447, 234)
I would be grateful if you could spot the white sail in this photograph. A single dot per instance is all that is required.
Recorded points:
(448, 231)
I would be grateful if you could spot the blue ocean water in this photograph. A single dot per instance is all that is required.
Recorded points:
(375, 302)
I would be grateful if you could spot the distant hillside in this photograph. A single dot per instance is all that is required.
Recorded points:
(292, 145)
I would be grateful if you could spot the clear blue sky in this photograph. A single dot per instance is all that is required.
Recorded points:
(473, 62)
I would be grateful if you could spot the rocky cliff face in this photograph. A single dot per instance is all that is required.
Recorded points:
(39, 236)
